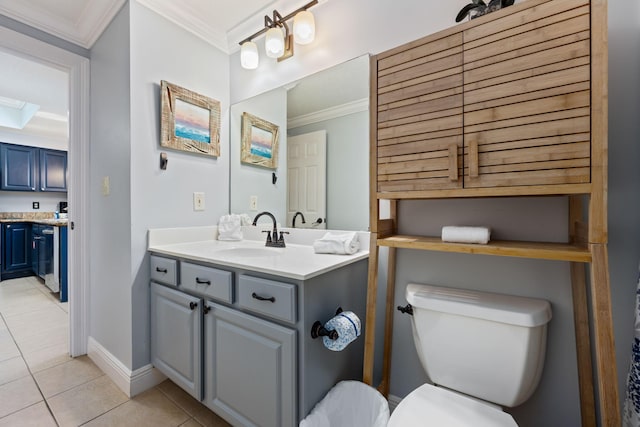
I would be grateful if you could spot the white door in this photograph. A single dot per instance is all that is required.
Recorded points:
(307, 179)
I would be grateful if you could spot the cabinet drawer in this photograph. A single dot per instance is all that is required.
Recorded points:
(268, 297)
(207, 281)
(164, 270)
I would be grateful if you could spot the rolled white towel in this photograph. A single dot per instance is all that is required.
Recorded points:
(229, 227)
(341, 243)
(466, 234)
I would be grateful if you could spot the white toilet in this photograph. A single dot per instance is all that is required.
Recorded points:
(483, 351)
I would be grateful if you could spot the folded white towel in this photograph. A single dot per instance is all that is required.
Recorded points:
(341, 243)
(229, 227)
(466, 234)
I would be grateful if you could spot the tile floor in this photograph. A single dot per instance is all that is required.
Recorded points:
(41, 385)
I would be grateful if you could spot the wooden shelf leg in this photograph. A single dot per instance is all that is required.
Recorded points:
(370, 322)
(603, 335)
(583, 345)
(388, 323)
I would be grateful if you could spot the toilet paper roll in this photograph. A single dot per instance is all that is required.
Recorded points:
(348, 326)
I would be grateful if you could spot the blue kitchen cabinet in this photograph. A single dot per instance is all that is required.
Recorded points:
(16, 250)
(53, 170)
(19, 167)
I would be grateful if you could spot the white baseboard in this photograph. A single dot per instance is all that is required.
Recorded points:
(130, 382)
(393, 402)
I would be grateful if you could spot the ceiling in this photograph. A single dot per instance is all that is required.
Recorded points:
(222, 23)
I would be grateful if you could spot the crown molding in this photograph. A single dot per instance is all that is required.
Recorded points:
(186, 17)
(329, 113)
(83, 32)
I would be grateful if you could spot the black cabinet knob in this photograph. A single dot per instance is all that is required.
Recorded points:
(193, 305)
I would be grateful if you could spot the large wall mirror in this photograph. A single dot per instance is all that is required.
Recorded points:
(322, 165)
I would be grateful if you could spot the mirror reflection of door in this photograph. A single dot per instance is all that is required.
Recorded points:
(307, 179)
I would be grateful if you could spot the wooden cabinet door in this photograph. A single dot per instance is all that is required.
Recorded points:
(19, 167)
(251, 369)
(53, 170)
(176, 337)
(419, 115)
(16, 247)
(527, 97)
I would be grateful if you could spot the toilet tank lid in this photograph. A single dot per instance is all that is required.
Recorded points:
(509, 309)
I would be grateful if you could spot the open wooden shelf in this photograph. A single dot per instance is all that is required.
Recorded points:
(536, 250)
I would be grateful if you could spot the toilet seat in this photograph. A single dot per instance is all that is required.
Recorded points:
(429, 405)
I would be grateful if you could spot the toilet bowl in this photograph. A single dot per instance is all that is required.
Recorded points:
(483, 350)
(429, 405)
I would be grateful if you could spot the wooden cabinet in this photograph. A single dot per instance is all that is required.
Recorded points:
(26, 168)
(176, 337)
(53, 170)
(16, 250)
(251, 368)
(19, 167)
(513, 103)
(501, 103)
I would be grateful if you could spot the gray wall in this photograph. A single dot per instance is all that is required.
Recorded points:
(138, 49)
(249, 180)
(110, 227)
(347, 174)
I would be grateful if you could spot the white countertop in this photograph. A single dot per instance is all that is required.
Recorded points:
(296, 261)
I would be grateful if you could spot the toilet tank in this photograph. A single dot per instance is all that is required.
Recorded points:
(486, 345)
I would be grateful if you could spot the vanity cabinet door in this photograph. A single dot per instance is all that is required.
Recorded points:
(176, 337)
(251, 369)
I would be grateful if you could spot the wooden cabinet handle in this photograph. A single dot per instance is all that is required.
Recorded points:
(473, 159)
(453, 162)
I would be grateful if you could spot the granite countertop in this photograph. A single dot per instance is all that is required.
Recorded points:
(45, 218)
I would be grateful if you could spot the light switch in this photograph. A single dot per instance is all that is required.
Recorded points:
(253, 203)
(106, 186)
(198, 201)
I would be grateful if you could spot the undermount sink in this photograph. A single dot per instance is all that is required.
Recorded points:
(252, 252)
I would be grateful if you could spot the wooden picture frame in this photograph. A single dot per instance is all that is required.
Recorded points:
(189, 121)
(259, 142)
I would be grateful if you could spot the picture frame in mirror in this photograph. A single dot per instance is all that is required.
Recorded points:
(189, 121)
(259, 142)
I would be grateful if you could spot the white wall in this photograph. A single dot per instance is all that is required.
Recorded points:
(161, 50)
(348, 29)
(248, 180)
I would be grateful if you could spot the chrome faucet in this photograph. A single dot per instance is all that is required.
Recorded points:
(275, 241)
(293, 225)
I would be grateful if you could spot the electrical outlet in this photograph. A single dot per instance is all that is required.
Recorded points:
(198, 201)
(253, 203)
(36, 205)
(106, 186)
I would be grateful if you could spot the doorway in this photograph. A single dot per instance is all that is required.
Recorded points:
(77, 68)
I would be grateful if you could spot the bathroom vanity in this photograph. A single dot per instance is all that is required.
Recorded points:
(231, 321)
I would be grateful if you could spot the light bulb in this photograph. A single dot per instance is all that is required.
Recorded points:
(274, 43)
(304, 27)
(249, 57)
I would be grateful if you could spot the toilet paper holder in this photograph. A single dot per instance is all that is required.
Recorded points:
(318, 330)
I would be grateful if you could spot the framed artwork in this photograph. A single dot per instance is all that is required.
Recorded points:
(259, 142)
(189, 121)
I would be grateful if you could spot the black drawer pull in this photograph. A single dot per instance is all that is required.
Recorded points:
(259, 298)
(193, 305)
(200, 281)
(161, 270)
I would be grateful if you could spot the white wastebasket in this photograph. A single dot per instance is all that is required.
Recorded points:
(349, 404)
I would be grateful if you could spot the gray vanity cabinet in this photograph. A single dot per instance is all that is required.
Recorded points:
(251, 368)
(176, 337)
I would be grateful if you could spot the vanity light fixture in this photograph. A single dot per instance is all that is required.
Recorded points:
(278, 43)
